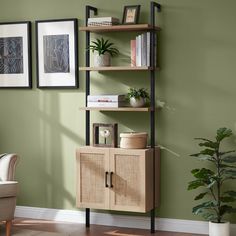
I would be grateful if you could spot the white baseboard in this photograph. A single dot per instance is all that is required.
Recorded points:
(162, 224)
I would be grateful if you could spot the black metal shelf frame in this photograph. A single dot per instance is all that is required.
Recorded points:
(153, 8)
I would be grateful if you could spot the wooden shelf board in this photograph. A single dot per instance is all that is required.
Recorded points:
(143, 109)
(118, 68)
(137, 27)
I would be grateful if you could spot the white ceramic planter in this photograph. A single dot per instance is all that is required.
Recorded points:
(102, 60)
(219, 229)
(134, 102)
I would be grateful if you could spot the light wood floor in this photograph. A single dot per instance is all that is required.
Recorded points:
(80, 230)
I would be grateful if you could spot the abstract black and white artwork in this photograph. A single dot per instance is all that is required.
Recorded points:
(11, 55)
(56, 53)
(15, 55)
(56, 49)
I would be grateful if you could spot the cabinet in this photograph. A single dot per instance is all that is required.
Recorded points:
(116, 179)
(133, 173)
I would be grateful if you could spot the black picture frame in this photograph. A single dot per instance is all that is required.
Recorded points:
(57, 53)
(131, 14)
(15, 55)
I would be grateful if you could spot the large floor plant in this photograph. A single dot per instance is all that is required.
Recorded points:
(213, 180)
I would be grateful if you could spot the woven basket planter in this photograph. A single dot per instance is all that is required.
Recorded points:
(133, 140)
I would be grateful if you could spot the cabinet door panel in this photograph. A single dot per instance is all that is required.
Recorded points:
(92, 165)
(129, 180)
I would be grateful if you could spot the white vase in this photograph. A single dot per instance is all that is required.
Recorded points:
(102, 60)
(137, 102)
(219, 229)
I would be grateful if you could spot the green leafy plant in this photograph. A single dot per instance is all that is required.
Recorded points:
(219, 200)
(103, 46)
(137, 93)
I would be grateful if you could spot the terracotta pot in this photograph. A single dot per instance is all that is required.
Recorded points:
(219, 229)
(137, 102)
(133, 140)
(102, 60)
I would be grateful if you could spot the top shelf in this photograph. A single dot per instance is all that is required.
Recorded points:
(114, 28)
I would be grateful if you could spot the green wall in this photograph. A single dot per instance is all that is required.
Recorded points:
(197, 56)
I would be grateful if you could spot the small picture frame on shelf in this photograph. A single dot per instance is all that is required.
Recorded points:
(131, 14)
(15, 55)
(57, 53)
(105, 135)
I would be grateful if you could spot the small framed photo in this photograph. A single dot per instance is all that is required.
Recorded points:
(15, 55)
(131, 14)
(57, 53)
(105, 135)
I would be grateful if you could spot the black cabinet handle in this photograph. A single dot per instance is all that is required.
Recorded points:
(111, 174)
(106, 184)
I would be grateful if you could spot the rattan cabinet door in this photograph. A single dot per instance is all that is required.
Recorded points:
(132, 180)
(92, 172)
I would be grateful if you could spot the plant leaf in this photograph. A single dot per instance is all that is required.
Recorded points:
(195, 184)
(231, 173)
(223, 153)
(229, 158)
(209, 216)
(209, 144)
(228, 199)
(200, 196)
(223, 133)
(202, 157)
(230, 193)
(202, 173)
(223, 166)
(226, 209)
(205, 205)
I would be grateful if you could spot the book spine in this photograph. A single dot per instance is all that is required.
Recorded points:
(106, 98)
(155, 49)
(105, 104)
(148, 48)
(102, 23)
(138, 51)
(133, 52)
(144, 49)
(102, 19)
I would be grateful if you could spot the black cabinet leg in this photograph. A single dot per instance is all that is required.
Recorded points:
(87, 219)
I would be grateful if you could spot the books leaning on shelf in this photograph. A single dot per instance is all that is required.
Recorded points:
(103, 21)
(140, 50)
(106, 101)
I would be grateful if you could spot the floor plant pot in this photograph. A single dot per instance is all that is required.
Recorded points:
(102, 60)
(219, 229)
(137, 102)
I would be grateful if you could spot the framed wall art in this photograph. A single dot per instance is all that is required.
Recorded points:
(15, 55)
(57, 53)
(131, 15)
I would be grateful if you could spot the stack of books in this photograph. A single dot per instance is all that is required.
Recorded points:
(106, 101)
(103, 21)
(140, 50)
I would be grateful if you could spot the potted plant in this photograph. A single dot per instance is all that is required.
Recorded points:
(138, 97)
(213, 182)
(105, 51)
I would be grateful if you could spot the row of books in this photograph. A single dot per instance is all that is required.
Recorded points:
(106, 101)
(140, 50)
(103, 21)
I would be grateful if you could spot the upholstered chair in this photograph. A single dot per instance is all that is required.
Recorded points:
(8, 189)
